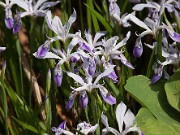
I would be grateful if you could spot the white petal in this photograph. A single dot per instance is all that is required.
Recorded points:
(57, 26)
(22, 4)
(120, 111)
(67, 132)
(110, 42)
(104, 120)
(123, 42)
(39, 3)
(140, 7)
(129, 118)
(2, 4)
(98, 36)
(71, 20)
(138, 22)
(76, 77)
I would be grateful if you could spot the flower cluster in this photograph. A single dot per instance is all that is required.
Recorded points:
(31, 8)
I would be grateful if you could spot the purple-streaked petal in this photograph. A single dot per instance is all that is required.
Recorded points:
(84, 46)
(58, 75)
(9, 23)
(83, 99)
(125, 62)
(70, 101)
(113, 76)
(173, 35)
(86, 128)
(106, 96)
(114, 8)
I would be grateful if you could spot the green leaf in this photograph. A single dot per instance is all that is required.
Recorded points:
(101, 19)
(149, 125)
(153, 97)
(25, 125)
(172, 88)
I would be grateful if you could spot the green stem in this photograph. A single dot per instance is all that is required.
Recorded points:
(148, 73)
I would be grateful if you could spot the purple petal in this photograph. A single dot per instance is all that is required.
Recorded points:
(113, 76)
(9, 23)
(43, 49)
(74, 59)
(58, 75)
(62, 125)
(106, 96)
(156, 78)
(60, 128)
(83, 99)
(174, 36)
(138, 48)
(70, 101)
(86, 47)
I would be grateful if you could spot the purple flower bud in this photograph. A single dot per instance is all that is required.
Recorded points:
(86, 47)
(155, 78)
(106, 96)
(83, 99)
(70, 101)
(9, 19)
(43, 49)
(138, 48)
(58, 75)
(17, 23)
(9, 23)
(91, 67)
(158, 74)
(59, 130)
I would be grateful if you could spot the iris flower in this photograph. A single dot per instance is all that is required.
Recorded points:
(88, 85)
(83, 128)
(122, 117)
(62, 31)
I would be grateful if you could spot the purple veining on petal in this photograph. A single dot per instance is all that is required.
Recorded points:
(43, 49)
(58, 75)
(83, 99)
(9, 23)
(113, 76)
(138, 48)
(155, 78)
(86, 47)
(70, 101)
(127, 64)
